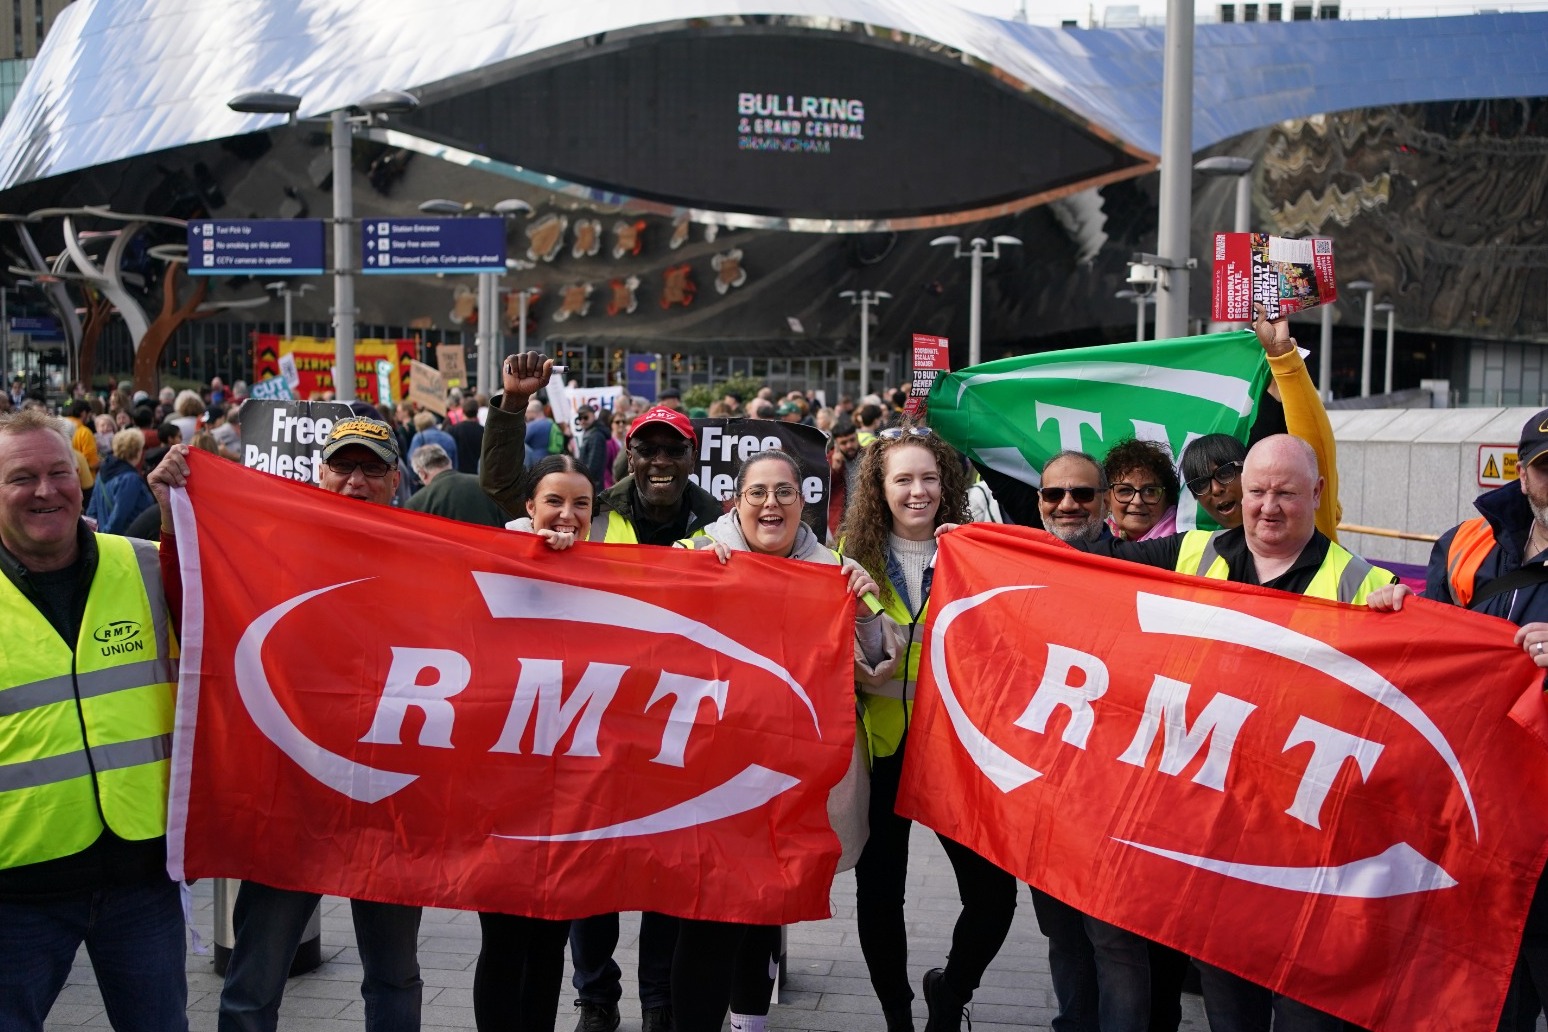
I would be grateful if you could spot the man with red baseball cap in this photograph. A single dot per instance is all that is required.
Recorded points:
(655, 504)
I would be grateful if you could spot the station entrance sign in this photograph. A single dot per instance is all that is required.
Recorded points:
(419, 246)
(269, 247)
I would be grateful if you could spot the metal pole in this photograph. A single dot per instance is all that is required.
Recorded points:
(1387, 377)
(1365, 344)
(865, 342)
(1244, 203)
(286, 292)
(496, 334)
(481, 337)
(1325, 355)
(975, 306)
(1139, 317)
(521, 324)
(1176, 168)
(343, 281)
(5, 336)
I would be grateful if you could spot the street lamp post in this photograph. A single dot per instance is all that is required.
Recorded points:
(865, 299)
(1241, 168)
(1365, 338)
(285, 291)
(1140, 300)
(978, 250)
(488, 335)
(1325, 357)
(1176, 170)
(1386, 380)
(384, 102)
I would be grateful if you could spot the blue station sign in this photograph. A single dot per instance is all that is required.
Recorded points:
(419, 246)
(270, 247)
(38, 327)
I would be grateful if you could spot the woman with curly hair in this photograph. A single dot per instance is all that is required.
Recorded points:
(912, 487)
(1142, 490)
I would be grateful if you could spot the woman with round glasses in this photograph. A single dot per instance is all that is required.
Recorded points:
(910, 488)
(719, 964)
(520, 970)
(1142, 490)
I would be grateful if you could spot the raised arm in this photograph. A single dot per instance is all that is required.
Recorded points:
(1305, 416)
(504, 453)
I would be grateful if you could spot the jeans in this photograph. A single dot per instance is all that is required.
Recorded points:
(1101, 973)
(134, 937)
(592, 941)
(269, 923)
(1234, 1004)
(987, 894)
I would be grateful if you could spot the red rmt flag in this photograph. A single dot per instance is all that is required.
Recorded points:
(1329, 801)
(387, 705)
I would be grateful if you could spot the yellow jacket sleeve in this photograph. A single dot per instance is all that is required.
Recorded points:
(1307, 419)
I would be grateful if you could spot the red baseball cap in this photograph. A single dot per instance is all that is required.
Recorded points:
(676, 420)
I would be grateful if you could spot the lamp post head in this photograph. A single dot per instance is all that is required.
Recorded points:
(1223, 166)
(1361, 284)
(945, 241)
(1127, 295)
(881, 295)
(441, 206)
(1007, 241)
(265, 102)
(512, 206)
(389, 102)
(1386, 306)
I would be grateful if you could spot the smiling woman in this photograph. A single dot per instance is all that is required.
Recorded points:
(720, 966)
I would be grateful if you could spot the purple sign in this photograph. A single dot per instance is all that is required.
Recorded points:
(267, 247)
(419, 246)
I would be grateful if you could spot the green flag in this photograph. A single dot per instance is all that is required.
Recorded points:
(1014, 414)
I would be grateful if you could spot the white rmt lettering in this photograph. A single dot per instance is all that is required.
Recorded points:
(540, 686)
(1056, 690)
(1069, 421)
(1330, 748)
(687, 693)
(1166, 711)
(404, 690)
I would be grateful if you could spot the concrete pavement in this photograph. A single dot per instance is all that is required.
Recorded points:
(827, 988)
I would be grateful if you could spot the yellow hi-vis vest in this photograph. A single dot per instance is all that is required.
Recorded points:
(612, 528)
(86, 735)
(1343, 576)
(886, 709)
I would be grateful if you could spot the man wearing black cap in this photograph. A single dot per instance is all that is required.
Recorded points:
(360, 460)
(1495, 564)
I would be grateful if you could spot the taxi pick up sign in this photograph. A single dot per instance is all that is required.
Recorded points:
(1496, 464)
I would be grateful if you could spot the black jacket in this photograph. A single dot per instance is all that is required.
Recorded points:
(1510, 516)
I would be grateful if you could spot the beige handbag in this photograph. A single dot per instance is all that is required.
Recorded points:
(849, 804)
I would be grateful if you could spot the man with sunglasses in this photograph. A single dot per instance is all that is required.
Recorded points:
(1073, 498)
(360, 460)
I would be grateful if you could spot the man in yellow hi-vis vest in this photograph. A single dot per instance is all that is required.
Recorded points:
(1278, 546)
(655, 504)
(87, 669)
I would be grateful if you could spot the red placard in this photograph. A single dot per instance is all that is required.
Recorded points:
(457, 716)
(1323, 799)
(1281, 274)
(932, 357)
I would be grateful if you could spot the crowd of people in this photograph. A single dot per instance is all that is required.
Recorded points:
(83, 784)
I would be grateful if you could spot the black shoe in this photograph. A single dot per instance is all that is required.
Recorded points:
(657, 1019)
(946, 1011)
(597, 1017)
(900, 1020)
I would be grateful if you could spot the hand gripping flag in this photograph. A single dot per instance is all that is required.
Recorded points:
(388, 705)
(1014, 414)
(1335, 803)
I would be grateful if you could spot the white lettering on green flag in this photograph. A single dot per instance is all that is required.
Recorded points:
(1014, 414)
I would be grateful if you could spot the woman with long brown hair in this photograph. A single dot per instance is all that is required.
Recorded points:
(911, 488)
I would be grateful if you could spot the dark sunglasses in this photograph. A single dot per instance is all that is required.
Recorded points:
(650, 451)
(1224, 474)
(1055, 495)
(896, 433)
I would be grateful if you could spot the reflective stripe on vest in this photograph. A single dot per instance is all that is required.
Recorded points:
(87, 733)
(1470, 546)
(1343, 576)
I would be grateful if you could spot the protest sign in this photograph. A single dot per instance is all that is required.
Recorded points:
(452, 360)
(275, 388)
(1281, 274)
(932, 357)
(427, 388)
(286, 438)
(724, 444)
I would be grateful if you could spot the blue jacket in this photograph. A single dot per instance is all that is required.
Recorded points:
(120, 495)
(1510, 517)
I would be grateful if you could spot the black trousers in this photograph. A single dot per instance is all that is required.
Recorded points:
(519, 974)
(988, 896)
(719, 966)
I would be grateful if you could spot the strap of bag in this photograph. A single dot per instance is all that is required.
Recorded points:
(1526, 575)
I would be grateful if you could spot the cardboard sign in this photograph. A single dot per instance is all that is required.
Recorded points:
(1496, 465)
(724, 444)
(275, 388)
(427, 388)
(286, 437)
(932, 357)
(453, 362)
